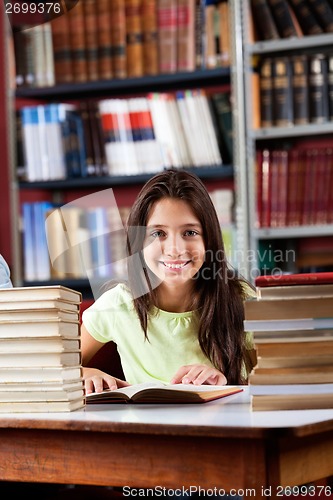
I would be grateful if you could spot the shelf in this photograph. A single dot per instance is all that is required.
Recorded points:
(116, 87)
(205, 173)
(293, 232)
(289, 44)
(292, 131)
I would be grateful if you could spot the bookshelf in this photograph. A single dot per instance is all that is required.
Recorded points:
(65, 190)
(281, 236)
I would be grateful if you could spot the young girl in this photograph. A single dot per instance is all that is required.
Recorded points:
(179, 319)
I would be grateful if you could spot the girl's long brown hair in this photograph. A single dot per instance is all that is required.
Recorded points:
(218, 291)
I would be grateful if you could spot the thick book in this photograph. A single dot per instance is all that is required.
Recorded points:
(283, 18)
(282, 91)
(300, 88)
(264, 21)
(305, 17)
(40, 375)
(306, 375)
(280, 402)
(318, 90)
(37, 314)
(41, 406)
(51, 292)
(287, 324)
(295, 291)
(294, 308)
(41, 394)
(159, 393)
(306, 350)
(39, 344)
(39, 359)
(294, 279)
(315, 335)
(39, 328)
(266, 92)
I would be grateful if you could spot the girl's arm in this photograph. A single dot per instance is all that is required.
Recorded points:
(95, 380)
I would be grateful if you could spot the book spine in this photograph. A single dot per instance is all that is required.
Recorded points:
(91, 41)
(318, 92)
(330, 85)
(199, 33)
(150, 37)
(266, 187)
(118, 33)
(185, 35)
(224, 34)
(300, 89)
(167, 30)
(78, 43)
(282, 95)
(264, 21)
(266, 92)
(96, 132)
(306, 19)
(104, 39)
(134, 43)
(62, 49)
(283, 19)
(210, 46)
(324, 14)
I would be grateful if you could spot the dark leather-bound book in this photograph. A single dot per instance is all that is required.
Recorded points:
(324, 14)
(266, 92)
(300, 88)
(282, 95)
(318, 92)
(306, 18)
(285, 22)
(263, 20)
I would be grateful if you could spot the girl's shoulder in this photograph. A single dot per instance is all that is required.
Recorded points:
(118, 297)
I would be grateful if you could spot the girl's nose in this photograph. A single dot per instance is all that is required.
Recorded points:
(173, 246)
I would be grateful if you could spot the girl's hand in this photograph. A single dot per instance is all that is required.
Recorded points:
(96, 381)
(199, 375)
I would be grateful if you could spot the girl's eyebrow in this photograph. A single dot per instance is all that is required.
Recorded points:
(190, 224)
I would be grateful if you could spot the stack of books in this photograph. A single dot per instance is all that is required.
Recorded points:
(292, 324)
(40, 356)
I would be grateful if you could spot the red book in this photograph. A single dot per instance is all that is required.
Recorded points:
(294, 279)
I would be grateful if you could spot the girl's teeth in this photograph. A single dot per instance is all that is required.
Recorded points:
(174, 266)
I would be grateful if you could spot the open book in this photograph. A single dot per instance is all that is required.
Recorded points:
(160, 393)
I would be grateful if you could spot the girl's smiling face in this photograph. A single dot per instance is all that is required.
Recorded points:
(174, 248)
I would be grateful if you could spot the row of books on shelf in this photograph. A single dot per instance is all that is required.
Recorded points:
(84, 242)
(296, 90)
(104, 39)
(294, 186)
(292, 324)
(40, 350)
(274, 19)
(124, 136)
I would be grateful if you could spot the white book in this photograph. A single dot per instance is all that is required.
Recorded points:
(47, 292)
(39, 359)
(279, 389)
(288, 325)
(40, 375)
(39, 328)
(42, 406)
(27, 305)
(41, 344)
(40, 395)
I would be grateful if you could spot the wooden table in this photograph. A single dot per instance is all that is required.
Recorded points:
(222, 445)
